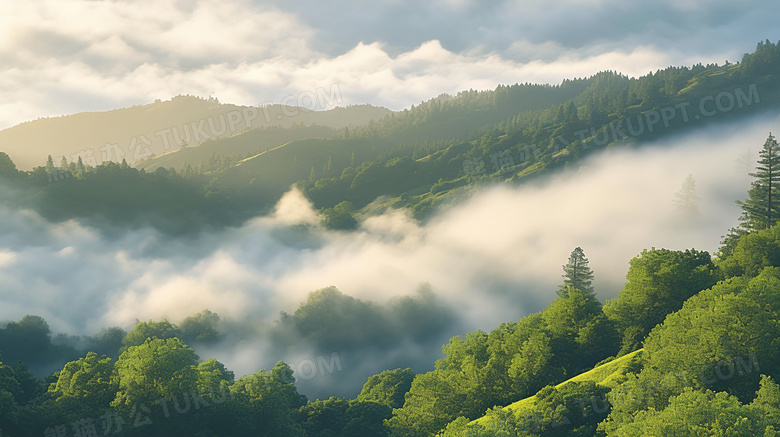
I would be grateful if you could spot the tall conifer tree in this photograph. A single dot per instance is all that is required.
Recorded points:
(686, 200)
(577, 274)
(760, 209)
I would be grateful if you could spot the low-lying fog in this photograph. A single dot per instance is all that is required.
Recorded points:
(493, 258)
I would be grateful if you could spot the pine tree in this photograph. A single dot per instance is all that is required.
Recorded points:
(760, 209)
(328, 165)
(571, 113)
(686, 199)
(560, 117)
(577, 273)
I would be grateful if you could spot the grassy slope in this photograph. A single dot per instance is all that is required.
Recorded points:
(254, 142)
(607, 374)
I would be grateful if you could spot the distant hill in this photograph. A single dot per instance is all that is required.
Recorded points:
(424, 157)
(143, 131)
(249, 143)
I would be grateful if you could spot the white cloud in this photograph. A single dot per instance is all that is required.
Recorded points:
(294, 208)
(62, 57)
(7, 258)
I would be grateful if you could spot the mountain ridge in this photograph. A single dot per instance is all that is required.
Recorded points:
(141, 131)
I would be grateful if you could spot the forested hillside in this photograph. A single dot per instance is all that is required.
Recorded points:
(420, 158)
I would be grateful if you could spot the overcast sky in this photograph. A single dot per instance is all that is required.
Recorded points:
(64, 56)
